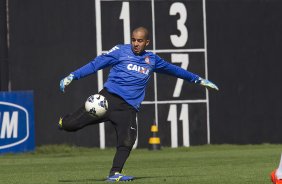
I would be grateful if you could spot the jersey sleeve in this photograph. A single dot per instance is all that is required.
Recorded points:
(98, 63)
(165, 67)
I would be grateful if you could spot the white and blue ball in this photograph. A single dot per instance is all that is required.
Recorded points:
(96, 105)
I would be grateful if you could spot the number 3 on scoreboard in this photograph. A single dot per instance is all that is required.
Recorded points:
(181, 40)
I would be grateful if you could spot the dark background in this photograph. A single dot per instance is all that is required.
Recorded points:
(244, 54)
(49, 39)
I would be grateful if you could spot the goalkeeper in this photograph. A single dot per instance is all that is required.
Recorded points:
(131, 68)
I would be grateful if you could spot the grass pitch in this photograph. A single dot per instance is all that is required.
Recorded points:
(210, 164)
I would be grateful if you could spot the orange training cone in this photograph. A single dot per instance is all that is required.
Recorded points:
(154, 141)
(276, 174)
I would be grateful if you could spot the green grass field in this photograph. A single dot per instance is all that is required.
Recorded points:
(211, 164)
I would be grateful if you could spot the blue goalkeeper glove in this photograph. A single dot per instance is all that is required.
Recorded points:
(207, 83)
(65, 82)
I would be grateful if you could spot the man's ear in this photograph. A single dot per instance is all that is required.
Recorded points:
(147, 42)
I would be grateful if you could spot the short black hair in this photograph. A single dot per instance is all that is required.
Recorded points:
(143, 29)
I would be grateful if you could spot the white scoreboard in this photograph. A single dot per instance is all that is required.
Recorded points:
(177, 34)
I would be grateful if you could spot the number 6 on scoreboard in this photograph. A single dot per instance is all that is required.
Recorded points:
(184, 60)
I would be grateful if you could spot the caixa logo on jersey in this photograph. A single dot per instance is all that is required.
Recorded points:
(14, 124)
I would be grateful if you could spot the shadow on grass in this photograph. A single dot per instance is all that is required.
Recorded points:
(80, 180)
(104, 179)
(93, 180)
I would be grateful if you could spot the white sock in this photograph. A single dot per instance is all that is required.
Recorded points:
(279, 170)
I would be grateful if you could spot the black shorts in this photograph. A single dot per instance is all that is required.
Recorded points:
(121, 115)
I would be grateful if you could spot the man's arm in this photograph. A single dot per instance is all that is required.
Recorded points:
(163, 66)
(93, 66)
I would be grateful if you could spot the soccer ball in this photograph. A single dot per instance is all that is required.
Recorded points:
(96, 105)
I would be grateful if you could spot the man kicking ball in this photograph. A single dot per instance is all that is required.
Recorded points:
(131, 68)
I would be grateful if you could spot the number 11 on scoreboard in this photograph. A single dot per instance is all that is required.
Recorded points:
(172, 117)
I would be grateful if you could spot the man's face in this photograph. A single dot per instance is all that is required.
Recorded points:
(139, 42)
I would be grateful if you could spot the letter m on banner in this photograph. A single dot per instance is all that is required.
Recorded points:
(9, 128)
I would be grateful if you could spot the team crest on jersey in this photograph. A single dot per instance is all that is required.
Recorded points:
(147, 59)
